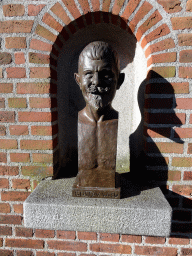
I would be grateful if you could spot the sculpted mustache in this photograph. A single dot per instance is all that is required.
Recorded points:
(98, 89)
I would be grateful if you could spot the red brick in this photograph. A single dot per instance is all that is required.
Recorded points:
(106, 5)
(67, 254)
(2, 130)
(109, 237)
(16, 72)
(36, 116)
(14, 195)
(11, 10)
(45, 33)
(25, 253)
(85, 6)
(181, 22)
(130, 7)
(189, 6)
(154, 240)
(185, 39)
(71, 6)
(44, 130)
(184, 103)
(45, 254)
(18, 208)
(5, 208)
(131, 239)
(165, 72)
(171, 6)
(183, 133)
(87, 235)
(165, 88)
(5, 231)
(7, 116)
(5, 58)
(185, 56)
(35, 102)
(24, 243)
(44, 233)
(25, 232)
(66, 235)
(162, 58)
(68, 246)
(40, 72)
(165, 147)
(17, 102)
(43, 158)
(95, 5)
(189, 148)
(58, 10)
(34, 88)
(15, 42)
(174, 176)
(160, 46)
(165, 118)
(117, 7)
(111, 248)
(18, 130)
(19, 58)
(6, 252)
(157, 33)
(185, 72)
(39, 45)
(149, 250)
(186, 251)
(2, 102)
(9, 170)
(34, 10)
(8, 144)
(39, 171)
(187, 176)
(150, 22)
(20, 184)
(6, 88)
(4, 183)
(182, 161)
(185, 190)
(39, 58)
(16, 26)
(3, 157)
(144, 9)
(51, 22)
(10, 219)
(1, 73)
(179, 241)
(37, 144)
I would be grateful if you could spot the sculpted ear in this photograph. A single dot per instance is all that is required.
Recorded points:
(77, 79)
(120, 80)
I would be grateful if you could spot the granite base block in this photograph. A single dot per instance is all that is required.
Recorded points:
(51, 206)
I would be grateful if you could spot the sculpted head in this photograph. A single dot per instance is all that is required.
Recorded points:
(99, 74)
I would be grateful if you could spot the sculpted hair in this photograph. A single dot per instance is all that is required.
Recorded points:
(99, 50)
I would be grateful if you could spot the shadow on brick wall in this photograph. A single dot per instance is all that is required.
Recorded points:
(151, 169)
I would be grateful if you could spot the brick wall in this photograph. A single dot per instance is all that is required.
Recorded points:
(32, 35)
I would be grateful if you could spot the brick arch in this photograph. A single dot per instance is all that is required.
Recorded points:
(62, 20)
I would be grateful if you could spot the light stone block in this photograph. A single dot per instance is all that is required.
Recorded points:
(51, 206)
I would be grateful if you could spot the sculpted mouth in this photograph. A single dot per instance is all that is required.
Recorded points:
(98, 89)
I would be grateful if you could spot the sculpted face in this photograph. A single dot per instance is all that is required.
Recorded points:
(98, 80)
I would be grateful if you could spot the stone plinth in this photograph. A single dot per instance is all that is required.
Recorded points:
(51, 206)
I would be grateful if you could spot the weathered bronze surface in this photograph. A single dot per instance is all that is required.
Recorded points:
(98, 77)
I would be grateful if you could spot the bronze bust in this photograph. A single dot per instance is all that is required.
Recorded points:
(98, 77)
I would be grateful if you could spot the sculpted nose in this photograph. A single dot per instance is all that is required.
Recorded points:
(95, 79)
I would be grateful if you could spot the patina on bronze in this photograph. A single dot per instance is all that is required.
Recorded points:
(98, 77)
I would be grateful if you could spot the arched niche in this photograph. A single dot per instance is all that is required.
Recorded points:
(70, 100)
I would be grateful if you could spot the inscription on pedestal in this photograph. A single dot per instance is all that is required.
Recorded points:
(105, 193)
